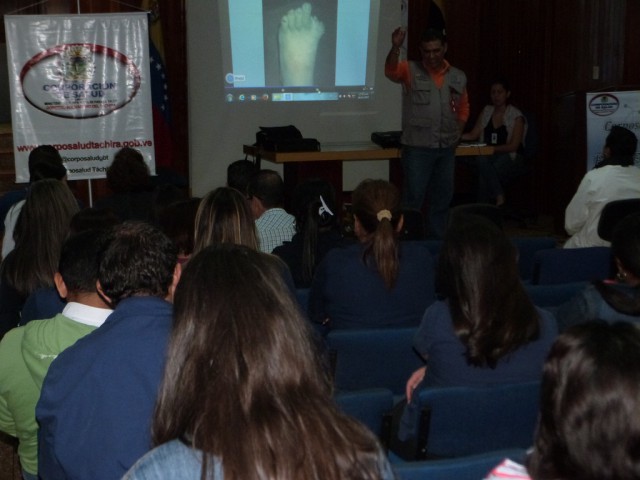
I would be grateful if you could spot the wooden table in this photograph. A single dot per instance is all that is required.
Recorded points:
(327, 163)
(348, 152)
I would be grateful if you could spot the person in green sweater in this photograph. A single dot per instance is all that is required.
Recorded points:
(26, 352)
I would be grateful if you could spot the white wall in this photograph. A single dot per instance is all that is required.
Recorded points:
(217, 130)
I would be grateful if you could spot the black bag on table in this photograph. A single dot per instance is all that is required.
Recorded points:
(285, 139)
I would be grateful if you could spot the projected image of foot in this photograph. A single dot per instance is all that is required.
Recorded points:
(299, 35)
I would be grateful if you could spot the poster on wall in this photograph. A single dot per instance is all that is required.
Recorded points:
(81, 84)
(604, 110)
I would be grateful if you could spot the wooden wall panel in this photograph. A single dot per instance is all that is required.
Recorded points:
(547, 50)
(631, 56)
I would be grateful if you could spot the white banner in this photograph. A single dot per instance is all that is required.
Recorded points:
(604, 110)
(81, 84)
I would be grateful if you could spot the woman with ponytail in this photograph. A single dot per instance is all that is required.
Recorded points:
(379, 282)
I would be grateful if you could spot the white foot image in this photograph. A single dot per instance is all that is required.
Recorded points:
(298, 39)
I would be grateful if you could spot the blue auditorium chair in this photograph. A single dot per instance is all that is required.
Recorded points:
(527, 248)
(613, 212)
(462, 421)
(371, 407)
(474, 467)
(373, 358)
(567, 265)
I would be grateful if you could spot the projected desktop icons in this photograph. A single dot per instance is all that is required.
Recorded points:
(232, 79)
(230, 98)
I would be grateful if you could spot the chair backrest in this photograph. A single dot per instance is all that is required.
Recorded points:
(474, 467)
(567, 265)
(554, 295)
(371, 407)
(613, 212)
(527, 248)
(465, 421)
(373, 358)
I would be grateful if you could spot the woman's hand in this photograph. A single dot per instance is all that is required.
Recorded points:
(414, 380)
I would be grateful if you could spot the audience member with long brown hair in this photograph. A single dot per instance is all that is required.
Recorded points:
(485, 330)
(379, 281)
(244, 395)
(589, 427)
(224, 216)
(41, 229)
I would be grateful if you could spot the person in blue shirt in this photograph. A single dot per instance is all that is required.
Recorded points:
(98, 396)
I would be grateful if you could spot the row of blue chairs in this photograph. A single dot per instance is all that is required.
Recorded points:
(541, 263)
(371, 358)
(551, 295)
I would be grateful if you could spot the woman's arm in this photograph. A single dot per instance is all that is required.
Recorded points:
(476, 132)
(414, 380)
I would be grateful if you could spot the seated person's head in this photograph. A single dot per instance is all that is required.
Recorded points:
(589, 426)
(620, 147)
(128, 172)
(45, 162)
(78, 266)
(139, 260)
(239, 173)
(474, 251)
(224, 216)
(314, 200)
(373, 202)
(265, 191)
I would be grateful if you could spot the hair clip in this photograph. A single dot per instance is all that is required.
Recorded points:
(323, 208)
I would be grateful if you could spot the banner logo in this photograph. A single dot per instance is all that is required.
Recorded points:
(604, 104)
(79, 80)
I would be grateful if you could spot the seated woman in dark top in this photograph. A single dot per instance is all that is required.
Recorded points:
(504, 127)
(485, 330)
(380, 281)
(611, 300)
(317, 230)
